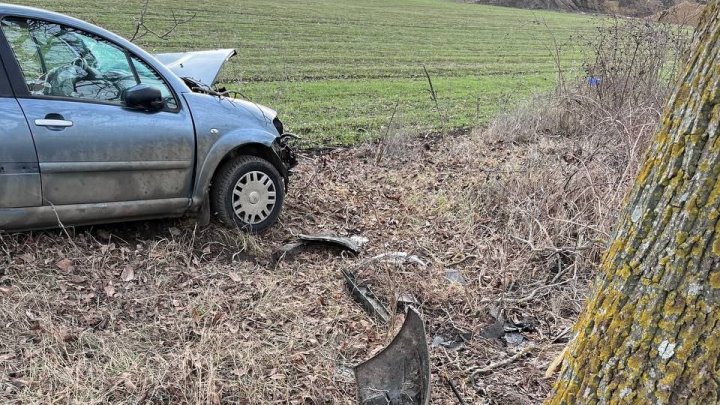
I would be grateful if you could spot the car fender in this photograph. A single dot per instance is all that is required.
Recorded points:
(221, 149)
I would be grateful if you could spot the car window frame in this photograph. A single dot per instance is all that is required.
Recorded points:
(18, 85)
(6, 90)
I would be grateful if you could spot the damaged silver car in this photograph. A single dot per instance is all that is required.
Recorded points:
(95, 130)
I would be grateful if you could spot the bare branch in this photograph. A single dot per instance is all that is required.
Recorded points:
(433, 96)
(142, 29)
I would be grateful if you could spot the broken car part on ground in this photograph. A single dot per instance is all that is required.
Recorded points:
(351, 244)
(400, 374)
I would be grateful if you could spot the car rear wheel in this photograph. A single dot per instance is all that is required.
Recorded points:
(248, 193)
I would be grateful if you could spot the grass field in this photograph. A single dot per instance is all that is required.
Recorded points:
(336, 69)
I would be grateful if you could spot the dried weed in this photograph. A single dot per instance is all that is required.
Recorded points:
(204, 316)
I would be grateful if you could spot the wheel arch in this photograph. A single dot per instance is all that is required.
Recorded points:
(216, 159)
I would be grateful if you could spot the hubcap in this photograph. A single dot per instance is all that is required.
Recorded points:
(253, 197)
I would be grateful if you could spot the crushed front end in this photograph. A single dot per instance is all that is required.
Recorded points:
(286, 154)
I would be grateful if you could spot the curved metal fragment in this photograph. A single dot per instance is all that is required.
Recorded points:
(347, 244)
(400, 374)
(332, 240)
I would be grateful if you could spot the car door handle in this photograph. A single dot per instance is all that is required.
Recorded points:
(53, 123)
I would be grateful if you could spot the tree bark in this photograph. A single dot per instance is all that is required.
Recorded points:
(650, 331)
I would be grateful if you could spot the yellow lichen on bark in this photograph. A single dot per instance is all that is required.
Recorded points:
(650, 332)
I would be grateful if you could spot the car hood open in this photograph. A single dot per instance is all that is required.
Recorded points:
(201, 66)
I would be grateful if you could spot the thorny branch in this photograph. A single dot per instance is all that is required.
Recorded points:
(141, 28)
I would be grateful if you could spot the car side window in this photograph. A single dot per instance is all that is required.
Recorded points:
(25, 50)
(60, 61)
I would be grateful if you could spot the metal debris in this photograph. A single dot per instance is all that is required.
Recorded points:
(400, 374)
(510, 332)
(351, 244)
(332, 240)
(452, 339)
(366, 298)
(397, 258)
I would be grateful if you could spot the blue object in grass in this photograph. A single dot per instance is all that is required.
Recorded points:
(594, 81)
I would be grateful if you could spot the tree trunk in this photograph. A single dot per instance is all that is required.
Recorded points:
(650, 332)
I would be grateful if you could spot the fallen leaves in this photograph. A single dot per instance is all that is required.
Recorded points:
(109, 290)
(65, 265)
(128, 274)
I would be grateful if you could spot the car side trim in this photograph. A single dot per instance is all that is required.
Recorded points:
(19, 168)
(16, 219)
(74, 167)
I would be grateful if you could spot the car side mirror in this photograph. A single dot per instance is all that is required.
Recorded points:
(143, 97)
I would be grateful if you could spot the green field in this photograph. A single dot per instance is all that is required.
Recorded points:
(336, 69)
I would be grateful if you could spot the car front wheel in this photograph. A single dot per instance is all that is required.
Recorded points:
(248, 192)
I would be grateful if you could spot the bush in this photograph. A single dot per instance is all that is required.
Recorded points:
(584, 143)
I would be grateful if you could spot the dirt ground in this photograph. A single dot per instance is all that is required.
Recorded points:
(165, 312)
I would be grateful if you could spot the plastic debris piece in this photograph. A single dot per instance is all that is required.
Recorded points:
(399, 374)
(342, 242)
(359, 240)
(398, 258)
(452, 339)
(366, 298)
(513, 338)
(348, 244)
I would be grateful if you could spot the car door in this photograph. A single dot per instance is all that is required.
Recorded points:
(19, 172)
(90, 148)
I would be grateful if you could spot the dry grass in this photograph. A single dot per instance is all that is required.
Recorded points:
(205, 317)
(684, 13)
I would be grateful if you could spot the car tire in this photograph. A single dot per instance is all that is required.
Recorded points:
(247, 193)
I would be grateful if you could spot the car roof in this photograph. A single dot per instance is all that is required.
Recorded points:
(26, 11)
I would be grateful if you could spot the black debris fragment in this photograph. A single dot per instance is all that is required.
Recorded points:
(494, 331)
(451, 339)
(365, 296)
(332, 240)
(399, 374)
(509, 332)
